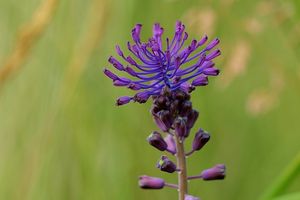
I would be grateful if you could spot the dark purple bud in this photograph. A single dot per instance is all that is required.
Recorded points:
(157, 30)
(212, 71)
(134, 86)
(171, 143)
(212, 44)
(181, 95)
(142, 97)
(110, 75)
(201, 138)
(163, 120)
(193, 44)
(136, 32)
(157, 141)
(155, 109)
(179, 27)
(200, 81)
(215, 173)
(162, 101)
(131, 61)
(180, 127)
(213, 54)
(192, 118)
(207, 64)
(120, 83)
(186, 108)
(202, 40)
(130, 71)
(123, 100)
(119, 51)
(116, 63)
(189, 197)
(148, 182)
(174, 107)
(166, 165)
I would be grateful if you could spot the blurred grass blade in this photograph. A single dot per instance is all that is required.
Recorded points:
(293, 196)
(28, 35)
(284, 180)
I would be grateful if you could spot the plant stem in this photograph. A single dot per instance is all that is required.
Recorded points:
(181, 164)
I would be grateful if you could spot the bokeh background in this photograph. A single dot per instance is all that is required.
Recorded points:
(62, 137)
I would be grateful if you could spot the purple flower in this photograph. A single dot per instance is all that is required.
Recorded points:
(215, 173)
(166, 165)
(201, 138)
(155, 64)
(157, 141)
(148, 182)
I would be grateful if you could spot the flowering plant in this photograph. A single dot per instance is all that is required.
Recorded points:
(169, 73)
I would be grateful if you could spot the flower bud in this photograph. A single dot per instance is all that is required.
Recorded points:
(166, 165)
(180, 127)
(148, 182)
(136, 32)
(212, 44)
(142, 97)
(157, 141)
(186, 108)
(163, 120)
(215, 173)
(181, 95)
(200, 81)
(211, 71)
(201, 138)
(110, 75)
(202, 40)
(116, 63)
(123, 100)
(162, 101)
(171, 143)
(192, 118)
(190, 197)
(213, 54)
(174, 106)
(154, 109)
(119, 51)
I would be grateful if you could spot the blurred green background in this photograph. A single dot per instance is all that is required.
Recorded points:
(62, 137)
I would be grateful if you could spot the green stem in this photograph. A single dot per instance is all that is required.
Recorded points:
(284, 179)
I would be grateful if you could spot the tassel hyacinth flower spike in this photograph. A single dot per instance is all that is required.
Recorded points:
(169, 72)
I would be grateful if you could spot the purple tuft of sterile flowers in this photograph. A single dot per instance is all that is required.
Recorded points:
(155, 64)
(168, 73)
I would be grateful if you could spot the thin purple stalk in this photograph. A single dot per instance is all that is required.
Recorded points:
(170, 185)
(194, 177)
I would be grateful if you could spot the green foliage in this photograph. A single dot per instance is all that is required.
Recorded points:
(62, 138)
(294, 196)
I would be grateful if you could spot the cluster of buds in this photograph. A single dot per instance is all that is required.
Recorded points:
(174, 115)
